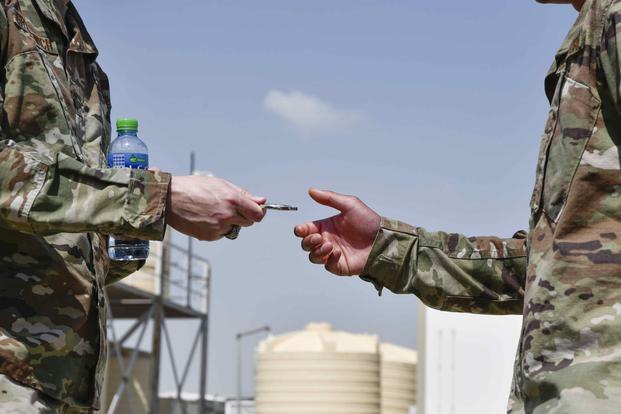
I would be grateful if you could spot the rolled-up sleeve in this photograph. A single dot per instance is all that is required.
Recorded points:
(45, 192)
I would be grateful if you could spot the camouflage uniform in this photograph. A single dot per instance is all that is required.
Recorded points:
(17, 399)
(58, 200)
(564, 277)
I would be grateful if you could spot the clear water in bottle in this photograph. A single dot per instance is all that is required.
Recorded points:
(128, 151)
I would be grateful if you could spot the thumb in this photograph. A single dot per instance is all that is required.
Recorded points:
(259, 200)
(341, 202)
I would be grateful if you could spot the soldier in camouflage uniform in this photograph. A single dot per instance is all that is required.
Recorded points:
(564, 275)
(58, 203)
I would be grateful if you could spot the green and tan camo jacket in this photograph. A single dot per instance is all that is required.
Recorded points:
(564, 276)
(58, 201)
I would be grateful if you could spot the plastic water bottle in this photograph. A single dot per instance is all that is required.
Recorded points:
(128, 151)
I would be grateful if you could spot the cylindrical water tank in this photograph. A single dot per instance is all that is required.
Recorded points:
(317, 371)
(398, 378)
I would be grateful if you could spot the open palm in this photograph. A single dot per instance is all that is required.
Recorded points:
(343, 242)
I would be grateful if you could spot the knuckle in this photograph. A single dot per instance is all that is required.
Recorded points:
(227, 216)
(231, 199)
(237, 199)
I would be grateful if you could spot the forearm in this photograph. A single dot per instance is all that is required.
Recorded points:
(450, 271)
(44, 192)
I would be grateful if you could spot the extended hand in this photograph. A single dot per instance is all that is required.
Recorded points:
(343, 242)
(207, 208)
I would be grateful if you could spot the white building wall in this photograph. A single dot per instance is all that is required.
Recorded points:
(465, 362)
(247, 407)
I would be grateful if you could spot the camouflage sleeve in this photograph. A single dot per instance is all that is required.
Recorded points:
(610, 52)
(46, 192)
(120, 269)
(4, 30)
(450, 271)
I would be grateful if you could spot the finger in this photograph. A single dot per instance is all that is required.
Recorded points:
(154, 169)
(242, 221)
(251, 210)
(303, 230)
(259, 200)
(256, 199)
(338, 201)
(311, 242)
(313, 258)
(332, 264)
(317, 258)
(320, 255)
(228, 231)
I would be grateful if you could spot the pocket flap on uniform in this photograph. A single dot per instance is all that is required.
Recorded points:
(577, 113)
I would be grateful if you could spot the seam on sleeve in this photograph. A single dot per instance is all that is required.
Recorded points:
(453, 255)
(147, 220)
(39, 182)
(482, 299)
(391, 282)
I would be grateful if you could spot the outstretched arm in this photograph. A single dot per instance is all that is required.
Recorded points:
(446, 271)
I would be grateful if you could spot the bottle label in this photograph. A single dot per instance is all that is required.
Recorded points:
(129, 160)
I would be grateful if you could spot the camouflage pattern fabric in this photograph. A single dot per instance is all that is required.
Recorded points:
(18, 399)
(565, 276)
(58, 202)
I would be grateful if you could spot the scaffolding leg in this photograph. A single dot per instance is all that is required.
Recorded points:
(155, 356)
(203, 367)
(204, 327)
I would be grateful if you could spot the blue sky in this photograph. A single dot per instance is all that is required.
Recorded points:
(429, 111)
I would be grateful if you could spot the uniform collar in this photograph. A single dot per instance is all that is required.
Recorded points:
(570, 45)
(54, 13)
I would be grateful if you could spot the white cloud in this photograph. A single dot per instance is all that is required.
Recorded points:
(307, 112)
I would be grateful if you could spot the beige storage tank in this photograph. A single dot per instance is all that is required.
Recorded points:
(317, 371)
(397, 378)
